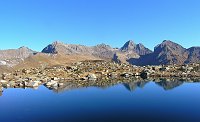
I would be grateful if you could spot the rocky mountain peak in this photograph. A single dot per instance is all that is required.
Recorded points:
(169, 52)
(12, 57)
(54, 47)
(140, 49)
(170, 46)
(128, 46)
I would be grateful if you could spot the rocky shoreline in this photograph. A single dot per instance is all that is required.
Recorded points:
(97, 72)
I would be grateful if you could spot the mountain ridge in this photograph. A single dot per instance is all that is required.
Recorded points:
(167, 52)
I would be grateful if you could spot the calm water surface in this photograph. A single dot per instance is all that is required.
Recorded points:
(123, 102)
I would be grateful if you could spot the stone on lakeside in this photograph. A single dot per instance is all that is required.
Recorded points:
(3, 81)
(91, 76)
(33, 84)
(51, 83)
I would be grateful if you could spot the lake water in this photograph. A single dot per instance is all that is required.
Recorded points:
(149, 101)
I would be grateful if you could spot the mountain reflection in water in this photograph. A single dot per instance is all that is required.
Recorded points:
(166, 84)
(105, 100)
(129, 84)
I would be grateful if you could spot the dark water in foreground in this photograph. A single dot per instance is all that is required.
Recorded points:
(122, 102)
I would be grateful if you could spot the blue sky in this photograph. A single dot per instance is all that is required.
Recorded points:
(37, 23)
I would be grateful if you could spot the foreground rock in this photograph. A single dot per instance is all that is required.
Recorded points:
(33, 84)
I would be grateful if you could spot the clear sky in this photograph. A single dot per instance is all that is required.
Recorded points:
(37, 23)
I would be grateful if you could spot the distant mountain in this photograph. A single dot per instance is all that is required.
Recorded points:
(12, 57)
(22, 52)
(102, 50)
(193, 55)
(61, 48)
(130, 50)
(140, 49)
(169, 52)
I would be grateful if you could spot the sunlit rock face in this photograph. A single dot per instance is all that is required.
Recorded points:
(13, 57)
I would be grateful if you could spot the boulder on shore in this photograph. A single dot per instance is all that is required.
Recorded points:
(91, 77)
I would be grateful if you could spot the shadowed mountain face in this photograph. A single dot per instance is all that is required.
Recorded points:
(193, 55)
(168, 52)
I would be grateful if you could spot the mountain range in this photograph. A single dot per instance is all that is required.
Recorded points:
(57, 53)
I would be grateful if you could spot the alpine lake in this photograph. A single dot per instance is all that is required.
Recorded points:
(163, 100)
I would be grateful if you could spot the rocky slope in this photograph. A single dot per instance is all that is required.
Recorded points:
(22, 52)
(101, 50)
(129, 50)
(193, 55)
(12, 57)
(169, 52)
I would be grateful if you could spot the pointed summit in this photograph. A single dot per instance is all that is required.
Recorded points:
(20, 53)
(140, 49)
(55, 47)
(128, 46)
(169, 52)
(168, 45)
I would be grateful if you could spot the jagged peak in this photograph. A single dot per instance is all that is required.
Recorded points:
(130, 42)
(129, 45)
(168, 43)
